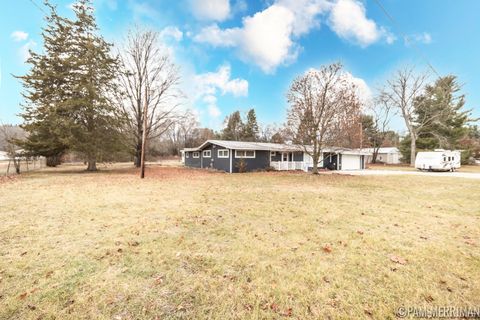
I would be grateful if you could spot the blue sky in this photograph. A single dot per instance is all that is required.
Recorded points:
(238, 54)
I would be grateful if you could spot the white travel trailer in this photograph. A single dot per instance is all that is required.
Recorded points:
(438, 160)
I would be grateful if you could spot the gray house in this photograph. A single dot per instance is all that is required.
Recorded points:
(226, 156)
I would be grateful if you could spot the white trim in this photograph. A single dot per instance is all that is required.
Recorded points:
(245, 154)
(196, 154)
(223, 156)
(207, 153)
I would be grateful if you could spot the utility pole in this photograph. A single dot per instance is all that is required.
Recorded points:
(361, 135)
(144, 140)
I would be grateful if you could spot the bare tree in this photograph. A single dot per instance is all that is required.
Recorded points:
(149, 80)
(401, 92)
(8, 135)
(381, 112)
(321, 103)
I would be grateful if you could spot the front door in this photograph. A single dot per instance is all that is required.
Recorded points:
(284, 156)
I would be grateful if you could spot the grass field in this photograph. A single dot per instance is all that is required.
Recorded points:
(192, 244)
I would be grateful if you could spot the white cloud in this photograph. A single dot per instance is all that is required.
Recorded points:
(212, 10)
(214, 111)
(142, 10)
(171, 32)
(363, 90)
(264, 39)
(349, 21)
(269, 38)
(306, 13)
(19, 36)
(209, 85)
(217, 37)
(424, 38)
(24, 50)
(210, 82)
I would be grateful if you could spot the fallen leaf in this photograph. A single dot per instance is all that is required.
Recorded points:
(134, 243)
(360, 232)
(470, 242)
(287, 313)
(398, 259)
(23, 253)
(274, 307)
(327, 248)
(326, 279)
(368, 312)
(424, 238)
(31, 307)
(429, 298)
(49, 274)
(23, 296)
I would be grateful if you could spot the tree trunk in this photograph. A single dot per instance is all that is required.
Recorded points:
(92, 163)
(53, 161)
(413, 149)
(315, 163)
(137, 161)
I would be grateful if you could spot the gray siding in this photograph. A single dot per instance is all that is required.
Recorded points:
(213, 162)
(192, 162)
(260, 162)
(219, 163)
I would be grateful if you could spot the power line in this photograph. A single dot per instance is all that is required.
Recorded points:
(399, 29)
(38, 7)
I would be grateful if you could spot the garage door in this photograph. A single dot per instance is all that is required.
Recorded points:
(350, 162)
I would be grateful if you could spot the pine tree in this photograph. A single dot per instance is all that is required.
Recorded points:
(46, 91)
(95, 129)
(250, 129)
(443, 103)
(67, 91)
(234, 127)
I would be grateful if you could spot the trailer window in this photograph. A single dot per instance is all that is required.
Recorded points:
(196, 154)
(444, 158)
(207, 153)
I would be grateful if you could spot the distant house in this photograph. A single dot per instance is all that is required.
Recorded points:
(4, 156)
(389, 155)
(226, 156)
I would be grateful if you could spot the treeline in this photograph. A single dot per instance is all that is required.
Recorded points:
(82, 98)
(187, 133)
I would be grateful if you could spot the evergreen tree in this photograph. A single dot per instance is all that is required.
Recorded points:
(442, 102)
(234, 127)
(95, 129)
(250, 129)
(46, 91)
(67, 89)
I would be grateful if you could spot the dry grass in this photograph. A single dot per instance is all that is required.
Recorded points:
(194, 244)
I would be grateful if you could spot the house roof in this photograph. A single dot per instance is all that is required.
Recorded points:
(383, 150)
(278, 147)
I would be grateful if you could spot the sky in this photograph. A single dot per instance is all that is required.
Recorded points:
(238, 54)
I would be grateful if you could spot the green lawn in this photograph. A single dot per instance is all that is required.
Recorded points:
(192, 244)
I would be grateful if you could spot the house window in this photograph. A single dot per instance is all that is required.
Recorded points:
(196, 154)
(244, 153)
(223, 153)
(207, 153)
(273, 153)
(187, 154)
